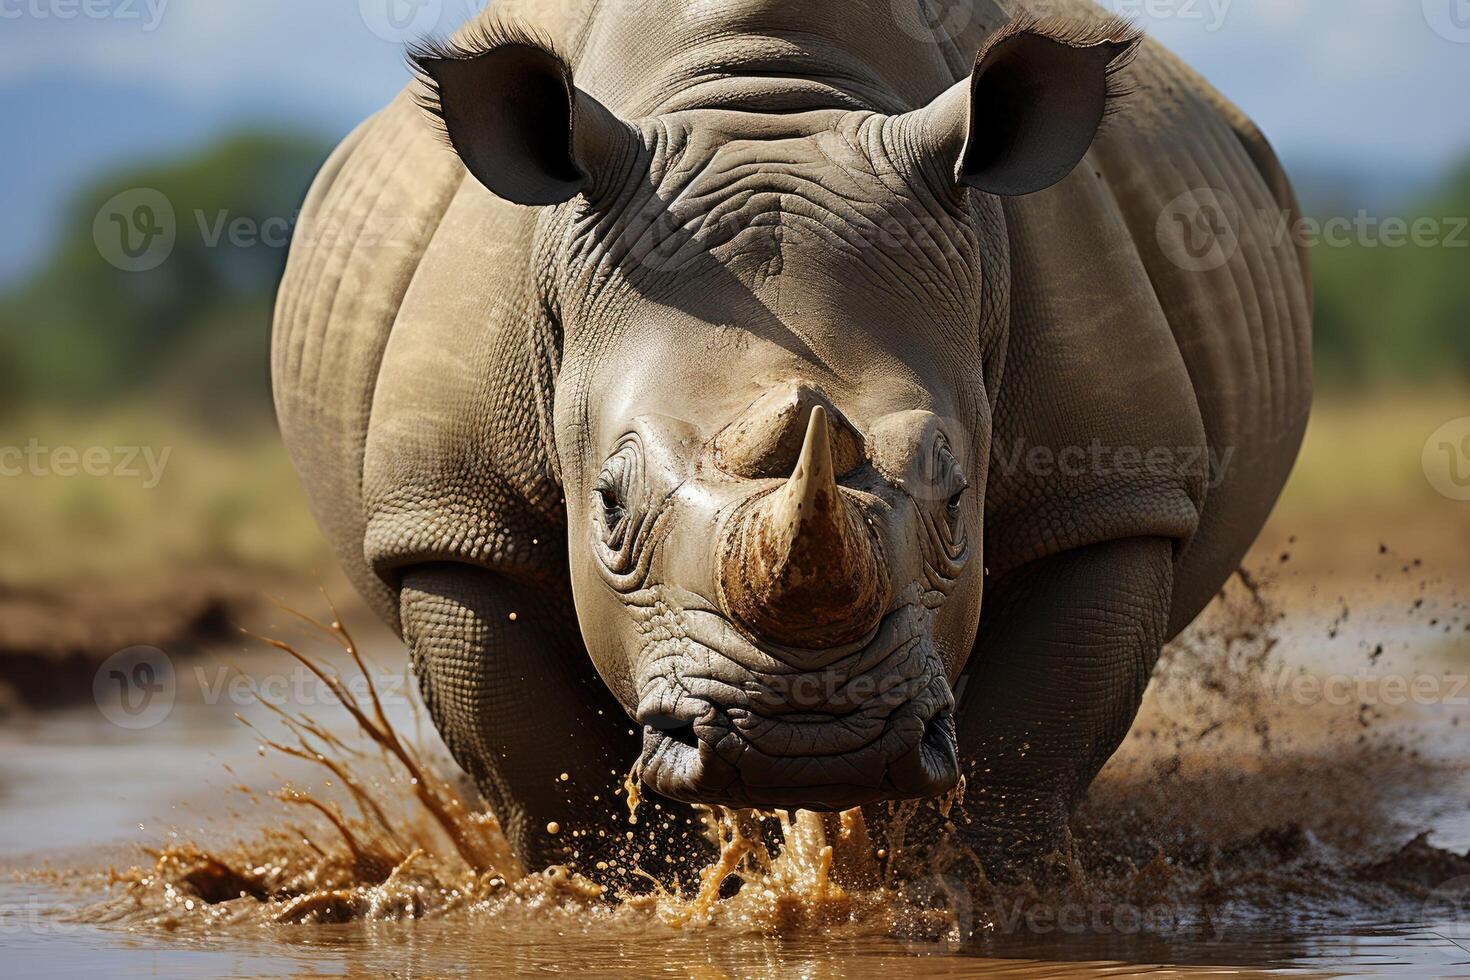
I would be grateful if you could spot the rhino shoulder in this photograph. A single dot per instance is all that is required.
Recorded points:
(364, 228)
(1157, 286)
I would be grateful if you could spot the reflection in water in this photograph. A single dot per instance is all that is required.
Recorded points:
(1244, 822)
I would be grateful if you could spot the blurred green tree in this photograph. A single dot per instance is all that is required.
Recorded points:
(1396, 308)
(195, 329)
(84, 331)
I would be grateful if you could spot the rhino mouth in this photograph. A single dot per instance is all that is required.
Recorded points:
(731, 723)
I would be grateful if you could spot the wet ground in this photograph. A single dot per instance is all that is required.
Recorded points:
(1278, 780)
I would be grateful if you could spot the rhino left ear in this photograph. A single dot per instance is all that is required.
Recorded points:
(1030, 109)
(505, 101)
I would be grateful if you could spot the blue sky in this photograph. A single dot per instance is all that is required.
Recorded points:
(1365, 86)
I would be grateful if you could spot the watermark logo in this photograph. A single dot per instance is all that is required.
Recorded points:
(139, 229)
(1447, 909)
(400, 21)
(1450, 19)
(135, 688)
(934, 21)
(1199, 231)
(1447, 459)
(1183, 700)
(946, 915)
(136, 230)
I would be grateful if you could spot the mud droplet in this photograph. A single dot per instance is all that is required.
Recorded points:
(633, 785)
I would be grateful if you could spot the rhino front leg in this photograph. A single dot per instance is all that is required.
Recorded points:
(1065, 650)
(510, 687)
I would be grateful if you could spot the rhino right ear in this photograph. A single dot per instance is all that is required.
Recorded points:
(505, 101)
(1030, 109)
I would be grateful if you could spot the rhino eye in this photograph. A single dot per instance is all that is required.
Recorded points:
(953, 506)
(949, 479)
(616, 519)
(947, 530)
(611, 504)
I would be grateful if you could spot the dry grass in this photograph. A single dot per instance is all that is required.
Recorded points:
(234, 502)
(223, 502)
(1360, 485)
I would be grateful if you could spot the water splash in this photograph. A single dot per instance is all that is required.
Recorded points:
(1224, 805)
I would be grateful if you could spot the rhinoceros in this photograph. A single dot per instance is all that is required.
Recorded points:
(677, 377)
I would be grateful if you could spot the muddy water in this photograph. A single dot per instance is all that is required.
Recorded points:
(1264, 815)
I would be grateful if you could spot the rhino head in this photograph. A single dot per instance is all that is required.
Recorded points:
(780, 335)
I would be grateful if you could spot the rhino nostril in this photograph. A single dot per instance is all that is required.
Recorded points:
(674, 729)
(939, 731)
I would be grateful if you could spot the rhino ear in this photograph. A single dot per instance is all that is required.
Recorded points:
(505, 101)
(1029, 111)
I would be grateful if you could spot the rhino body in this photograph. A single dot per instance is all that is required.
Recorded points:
(778, 347)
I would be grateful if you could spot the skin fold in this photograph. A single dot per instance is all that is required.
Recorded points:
(680, 380)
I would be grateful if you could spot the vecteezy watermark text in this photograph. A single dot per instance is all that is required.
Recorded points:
(1201, 230)
(299, 688)
(1370, 690)
(100, 462)
(35, 915)
(148, 12)
(1210, 13)
(1115, 462)
(139, 229)
(1098, 917)
(137, 688)
(405, 21)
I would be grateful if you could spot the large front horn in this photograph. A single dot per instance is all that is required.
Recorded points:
(801, 566)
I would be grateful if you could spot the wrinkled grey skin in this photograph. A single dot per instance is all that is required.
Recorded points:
(708, 394)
